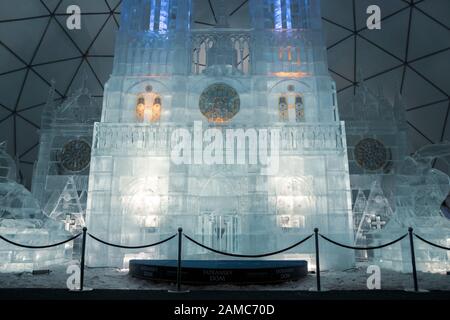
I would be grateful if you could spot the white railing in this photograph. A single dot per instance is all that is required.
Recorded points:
(294, 138)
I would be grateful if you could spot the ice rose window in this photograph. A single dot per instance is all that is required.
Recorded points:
(219, 103)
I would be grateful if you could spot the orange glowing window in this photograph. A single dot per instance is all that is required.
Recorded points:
(149, 108)
(156, 110)
(140, 108)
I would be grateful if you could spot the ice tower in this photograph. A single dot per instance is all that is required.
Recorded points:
(65, 147)
(232, 134)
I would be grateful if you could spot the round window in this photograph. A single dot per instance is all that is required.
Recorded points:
(371, 154)
(219, 103)
(76, 155)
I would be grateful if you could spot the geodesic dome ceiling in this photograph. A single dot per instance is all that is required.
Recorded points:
(410, 53)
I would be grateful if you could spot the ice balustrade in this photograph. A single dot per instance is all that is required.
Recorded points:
(293, 138)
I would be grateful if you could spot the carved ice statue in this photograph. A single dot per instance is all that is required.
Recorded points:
(419, 191)
(22, 221)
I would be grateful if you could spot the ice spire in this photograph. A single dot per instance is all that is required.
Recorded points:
(361, 202)
(49, 107)
(358, 215)
(6, 160)
(361, 89)
(84, 78)
(378, 207)
(19, 175)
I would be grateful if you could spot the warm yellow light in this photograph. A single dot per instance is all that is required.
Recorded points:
(290, 74)
(156, 112)
(140, 111)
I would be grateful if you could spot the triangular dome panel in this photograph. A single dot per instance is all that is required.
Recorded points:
(56, 45)
(25, 38)
(434, 115)
(426, 36)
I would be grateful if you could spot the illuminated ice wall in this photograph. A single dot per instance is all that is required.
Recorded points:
(180, 101)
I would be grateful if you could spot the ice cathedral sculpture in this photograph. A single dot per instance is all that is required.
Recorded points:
(392, 190)
(377, 141)
(262, 94)
(65, 153)
(22, 221)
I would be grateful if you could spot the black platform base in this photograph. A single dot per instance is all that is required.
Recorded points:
(203, 272)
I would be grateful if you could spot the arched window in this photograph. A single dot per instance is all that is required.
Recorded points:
(149, 108)
(299, 109)
(156, 110)
(291, 108)
(140, 108)
(283, 109)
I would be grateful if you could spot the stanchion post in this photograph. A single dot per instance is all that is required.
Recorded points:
(83, 253)
(413, 258)
(316, 234)
(180, 245)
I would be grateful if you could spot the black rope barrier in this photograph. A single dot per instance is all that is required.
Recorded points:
(248, 256)
(39, 247)
(431, 243)
(180, 234)
(364, 248)
(132, 247)
(413, 258)
(316, 244)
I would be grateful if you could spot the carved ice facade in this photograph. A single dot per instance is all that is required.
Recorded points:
(377, 141)
(61, 174)
(393, 190)
(168, 77)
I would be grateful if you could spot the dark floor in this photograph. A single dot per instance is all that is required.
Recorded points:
(149, 295)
